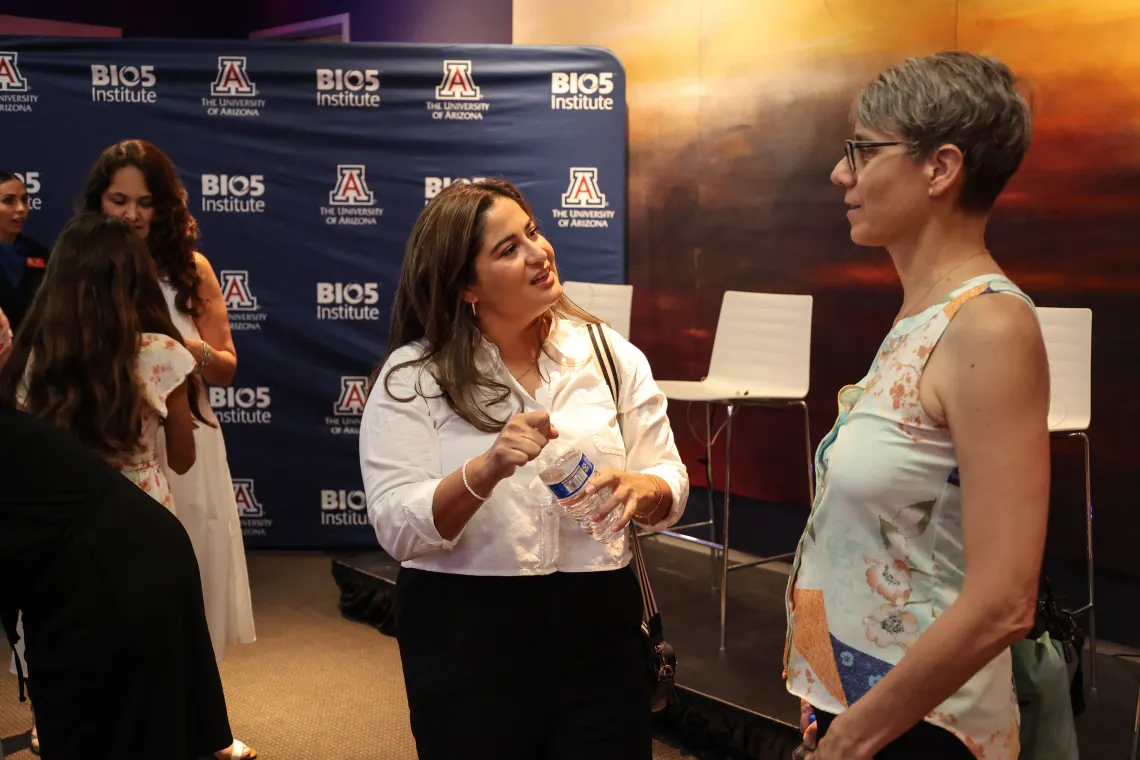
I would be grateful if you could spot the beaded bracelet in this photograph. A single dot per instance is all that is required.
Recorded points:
(467, 485)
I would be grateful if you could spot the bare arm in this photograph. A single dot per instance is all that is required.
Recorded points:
(179, 429)
(213, 325)
(994, 391)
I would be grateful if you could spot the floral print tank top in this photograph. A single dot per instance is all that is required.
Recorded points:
(882, 555)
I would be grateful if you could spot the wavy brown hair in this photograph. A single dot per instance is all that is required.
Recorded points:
(173, 234)
(79, 340)
(439, 264)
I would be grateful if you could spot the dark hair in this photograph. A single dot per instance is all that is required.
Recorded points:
(5, 176)
(439, 264)
(956, 98)
(80, 338)
(173, 232)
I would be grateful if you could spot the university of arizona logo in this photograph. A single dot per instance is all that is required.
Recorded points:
(235, 290)
(351, 188)
(457, 84)
(583, 192)
(584, 204)
(10, 77)
(353, 394)
(241, 303)
(233, 80)
(247, 503)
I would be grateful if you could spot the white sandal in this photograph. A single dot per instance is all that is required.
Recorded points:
(35, 746)
(237, 751)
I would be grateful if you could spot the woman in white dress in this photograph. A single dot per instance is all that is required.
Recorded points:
(137, 182)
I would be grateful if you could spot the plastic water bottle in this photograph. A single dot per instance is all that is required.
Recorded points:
(565, 470)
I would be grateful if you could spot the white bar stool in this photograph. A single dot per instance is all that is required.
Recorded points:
(610, 303)
(761, 356)
(1068, 343)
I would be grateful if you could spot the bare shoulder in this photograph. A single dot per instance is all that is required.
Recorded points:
(995, 325)
(202, 264)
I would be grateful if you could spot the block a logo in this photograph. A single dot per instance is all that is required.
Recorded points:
(250, 510)
(457, 96)
(241, 303)
(233, 92)
(351, 201)
(233, 79)
(457, 84)
(14, 90)
(584, 204)
(349, 406)
(10, 78)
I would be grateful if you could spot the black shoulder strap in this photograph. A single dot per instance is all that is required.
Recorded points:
(604, 355)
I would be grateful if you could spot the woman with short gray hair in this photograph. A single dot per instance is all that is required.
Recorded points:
(919, 565)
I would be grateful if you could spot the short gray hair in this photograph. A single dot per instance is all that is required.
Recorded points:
(956, 98)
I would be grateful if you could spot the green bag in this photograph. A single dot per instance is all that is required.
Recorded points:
(1041, 677)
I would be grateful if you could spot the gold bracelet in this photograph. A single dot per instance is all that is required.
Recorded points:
(660, 495)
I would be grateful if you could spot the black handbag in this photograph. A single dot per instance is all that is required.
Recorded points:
(1062, 628)
(660, 659)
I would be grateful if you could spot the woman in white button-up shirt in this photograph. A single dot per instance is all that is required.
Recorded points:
(518, 632)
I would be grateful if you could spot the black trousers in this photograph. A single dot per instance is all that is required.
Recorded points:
(926, 741)
(524, 668)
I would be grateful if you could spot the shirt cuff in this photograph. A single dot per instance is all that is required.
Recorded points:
(678, 484)
(421, 519)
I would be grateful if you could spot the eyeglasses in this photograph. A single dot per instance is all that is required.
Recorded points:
(854, 145)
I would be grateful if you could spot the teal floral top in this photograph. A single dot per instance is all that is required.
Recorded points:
(882, 555)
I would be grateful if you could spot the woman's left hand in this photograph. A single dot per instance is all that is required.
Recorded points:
(633, 493)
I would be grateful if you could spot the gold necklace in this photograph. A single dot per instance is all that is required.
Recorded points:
(938, 279)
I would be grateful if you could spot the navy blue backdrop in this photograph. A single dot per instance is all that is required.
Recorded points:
(306, 165)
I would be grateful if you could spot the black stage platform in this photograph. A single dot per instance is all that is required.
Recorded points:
(734, 705)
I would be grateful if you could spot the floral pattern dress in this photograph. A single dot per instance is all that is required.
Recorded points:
(881, 557)
(161, 366)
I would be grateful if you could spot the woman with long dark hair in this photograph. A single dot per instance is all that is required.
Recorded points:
(135, 181)
(105, 363)
(519, 629)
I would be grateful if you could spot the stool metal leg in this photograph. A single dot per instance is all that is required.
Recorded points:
(810, 458)
(724, 541)
(1091, 607)
(713, 555)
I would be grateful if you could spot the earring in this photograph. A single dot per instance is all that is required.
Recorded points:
(473, 310)
(930, 191)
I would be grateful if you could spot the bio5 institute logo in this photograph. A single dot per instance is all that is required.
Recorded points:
(241, 303)
(571, 91)
(15, 93)
(233, 93)
(31, 181)
(584, 204)
(250, 510)
(233, 193)
(348, 301)
(112, 83)
(457, 96)
(351, 201)
(349, 406)
(241, 406)
(433, 185)
(348, 88)
(340, 508)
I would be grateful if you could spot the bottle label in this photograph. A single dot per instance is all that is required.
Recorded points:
(575, 480)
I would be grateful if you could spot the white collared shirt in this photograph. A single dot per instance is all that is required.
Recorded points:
(407, 448)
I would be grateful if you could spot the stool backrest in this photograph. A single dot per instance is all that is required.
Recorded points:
(610, 303)
(1068, 342)
(763, 342)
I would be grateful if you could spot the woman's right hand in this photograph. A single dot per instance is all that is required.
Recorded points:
(808, 727)
(520, 441)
